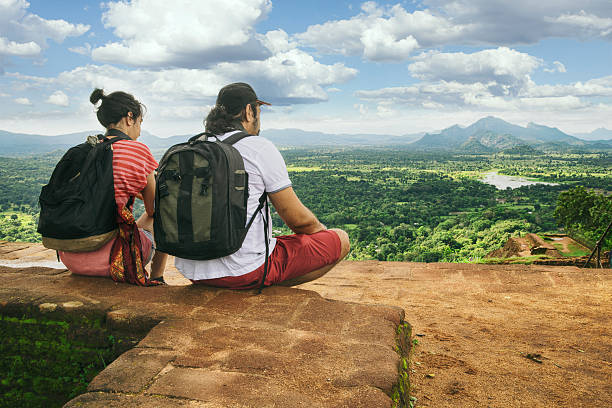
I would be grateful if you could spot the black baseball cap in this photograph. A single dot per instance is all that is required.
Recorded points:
(234, 97)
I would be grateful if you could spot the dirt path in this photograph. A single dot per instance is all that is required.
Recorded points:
(478, 324)
(569, 245)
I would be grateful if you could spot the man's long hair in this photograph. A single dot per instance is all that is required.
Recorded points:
(220, 121)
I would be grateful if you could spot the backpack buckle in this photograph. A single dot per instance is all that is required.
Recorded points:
(204, 189)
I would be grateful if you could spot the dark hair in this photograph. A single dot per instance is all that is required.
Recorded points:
(115, 106)
(219, 121)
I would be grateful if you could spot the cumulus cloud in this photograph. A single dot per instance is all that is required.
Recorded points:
(23, 101)
(585, 24)
(452, 95)
(189, 34)
(525, 21)
(594, 88)
(381, 33)
(496, 79)
(58, 98)
(379, 45)
(29, 49)
(506, 71)
(26, 34)
(441, 93)
(303, 81)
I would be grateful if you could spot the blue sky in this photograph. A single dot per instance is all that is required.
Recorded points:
(392, 67)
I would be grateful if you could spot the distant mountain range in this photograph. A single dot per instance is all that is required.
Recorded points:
(492, 134)
(21, 144)
(597, 134)
(487, 135)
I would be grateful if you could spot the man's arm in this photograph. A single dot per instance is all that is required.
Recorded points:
(295, 214)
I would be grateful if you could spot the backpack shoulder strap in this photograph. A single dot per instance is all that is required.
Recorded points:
(235, 138)
(118, 135)
(116, 139)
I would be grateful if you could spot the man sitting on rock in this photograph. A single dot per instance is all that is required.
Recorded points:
(294, 259)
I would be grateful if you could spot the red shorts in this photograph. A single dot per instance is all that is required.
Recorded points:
(293, 256)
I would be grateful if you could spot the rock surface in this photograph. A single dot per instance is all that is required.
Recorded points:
(209, 347)
(477, 324)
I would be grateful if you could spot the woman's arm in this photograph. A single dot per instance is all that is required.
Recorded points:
(148, 194)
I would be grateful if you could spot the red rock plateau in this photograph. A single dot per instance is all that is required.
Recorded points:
(485, 335)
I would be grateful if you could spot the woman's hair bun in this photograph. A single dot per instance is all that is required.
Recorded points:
(96, 95)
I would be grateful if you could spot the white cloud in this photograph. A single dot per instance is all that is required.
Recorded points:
(379, 45)
(85, 49)
(58, 98)
(25, 34)
(442, 93)
(496, 79)
(558, 67)
(451, 95)
(184, 112)
(385, 110)
(302, 81)
(187, 34)
(567, 102)
(29, 49)
(23, 101)
(277, 41)
(525, 21)
(171, 94)
(505, 71)
(361, 108)
(587, 25)
(432, 105)
(381, 33)
(598, 87)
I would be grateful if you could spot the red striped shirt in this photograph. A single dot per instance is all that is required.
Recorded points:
(132, 163)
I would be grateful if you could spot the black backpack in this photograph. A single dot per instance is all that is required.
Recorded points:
(77, 207)
(201, 199)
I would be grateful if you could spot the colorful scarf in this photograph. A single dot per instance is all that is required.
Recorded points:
(126, 252)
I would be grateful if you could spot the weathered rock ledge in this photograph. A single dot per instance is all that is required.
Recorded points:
(218, 348)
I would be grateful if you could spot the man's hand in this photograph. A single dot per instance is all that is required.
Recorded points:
(295, 214)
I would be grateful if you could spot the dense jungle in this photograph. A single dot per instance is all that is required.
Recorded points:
(397, 204)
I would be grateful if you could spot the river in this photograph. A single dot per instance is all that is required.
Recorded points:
(502, 182)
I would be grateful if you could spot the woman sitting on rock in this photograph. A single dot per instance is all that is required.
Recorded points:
(125, 257)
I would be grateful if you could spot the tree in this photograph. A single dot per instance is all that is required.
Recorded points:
(585, 212)
(573, 208)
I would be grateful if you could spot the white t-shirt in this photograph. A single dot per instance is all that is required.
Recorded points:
(267, 172)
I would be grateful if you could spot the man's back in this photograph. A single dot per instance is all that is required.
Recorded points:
(266, 171)
(307, 254)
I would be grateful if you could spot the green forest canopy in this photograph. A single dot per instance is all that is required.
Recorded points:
(396, 204)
